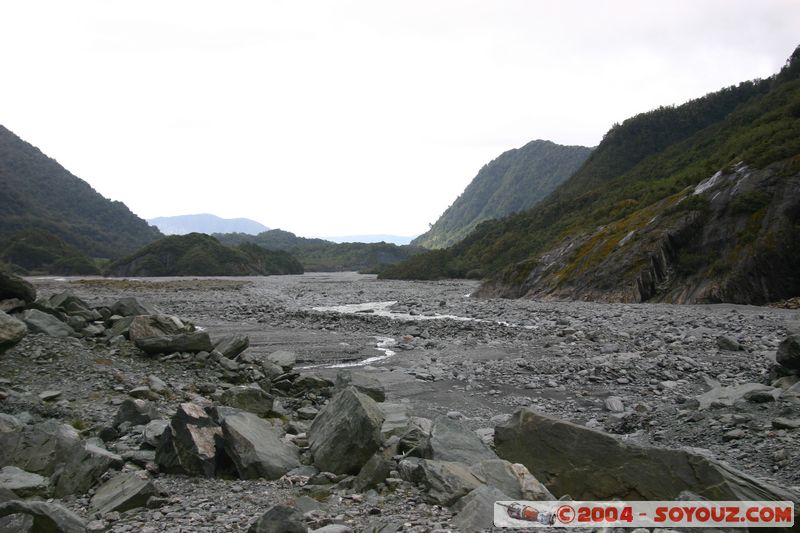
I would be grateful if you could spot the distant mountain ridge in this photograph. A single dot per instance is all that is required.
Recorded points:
(36, 193)
(372, 238)
(515, 181)
(206, 223)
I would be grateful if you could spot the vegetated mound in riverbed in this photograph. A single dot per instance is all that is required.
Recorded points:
(197, 254)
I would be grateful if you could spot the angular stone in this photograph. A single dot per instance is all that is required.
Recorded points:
(123, 492)
(146, 326)
(279, 519)
(256, 448)
(451, 440)
(39, 448)
(476, 509)
(121, 327)
(84, 469)
(11, 304)
(788, 353)
(153, 431)
(231, 346)
(188, 445)
(131, 307)
(786, 423)
(39, 322)
(591, 465)
(47, 517)
(364, 383)
(728, 344)
(11, 331)
(70, 304)
(13, 286)
(135, 411)
(726, 396)
(513, 479)
(50, 395)
(445, 482)
(24, 484)
(143, 393)
(375, 471)
(397, 417)
(283, 358)
(197, 341)
(346, 432)
(614, 404)
(252, 399)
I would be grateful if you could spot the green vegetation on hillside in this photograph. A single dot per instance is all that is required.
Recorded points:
(38, 193)
(197, 254)
(38, 252)
(319, 255)
(639, 163)
(517, 180)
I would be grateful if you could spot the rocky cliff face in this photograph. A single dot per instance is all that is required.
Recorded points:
(735, 237)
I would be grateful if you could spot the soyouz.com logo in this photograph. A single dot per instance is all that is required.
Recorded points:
(644, 514)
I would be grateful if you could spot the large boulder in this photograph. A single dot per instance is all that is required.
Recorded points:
(40, 322)
(513, 479)
(136, 412)
(283, 358)
(789, 352)
(145, 326)
(591, 465)
(397, 419)
(84, 469)
(445, 482)
(364, 383)
(231, 346)
(71, 305)
(47, 517)
(11, 331)
(256, 448)
(451, 440)
(131, 307)
(476, 509)
(189, 445)
(194, 342)
(252, 399)
(122, 492)
(24, 484)
(346, 432)
(39, 448)
(13, 286)
(279, 519)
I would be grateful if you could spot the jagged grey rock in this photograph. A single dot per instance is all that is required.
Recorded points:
(252, 399)
(513, 479)
(39, 448)
(122, 492)
(153, 431)
(256, 448)
(445, 482)
(146, 326)
(789, 352)
(476, 509)
(375, 471)
(364, 383)
(13, 286)
(135, 411)
(591, 465)
(397, 417)
(283, 358)
(346, 432)
(39, 322)
(726, 396)
(71, 305)
(188, 446)
(84, 469)
(279, 519)
(11, 331)
(194, 342)
(24, 484)
(131, 307)
(231, 346)
(451, 440)
(47, 517)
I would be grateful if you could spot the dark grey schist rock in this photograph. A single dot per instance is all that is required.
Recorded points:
(475, 511)
(11, 331)
(283, 358)
(135, 411)
(47, 517)
(40, 322)
(280, 519)
(194, 342)
(451, 440)
(364, 383)
(84, 469)
(346, 432)
(131, 307)
(256, 448)
(188, 446)
(591, 465)
(40, 448)
(231, 346)
(123, 492)
(13, 286)
(252, 399)
(789, 352)
(24, 484)
(445, 482)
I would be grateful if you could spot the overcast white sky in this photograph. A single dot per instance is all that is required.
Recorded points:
(351, 117)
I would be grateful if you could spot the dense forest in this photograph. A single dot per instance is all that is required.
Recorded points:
(38, 193)
(197, 254)
(639, 163)
(319, 255)
(515, 181)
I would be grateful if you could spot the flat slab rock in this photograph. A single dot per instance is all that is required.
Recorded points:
(125, 491)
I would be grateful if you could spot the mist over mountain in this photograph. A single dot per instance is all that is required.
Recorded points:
(206, 223)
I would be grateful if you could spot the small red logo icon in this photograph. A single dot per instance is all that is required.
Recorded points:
(565, 514)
